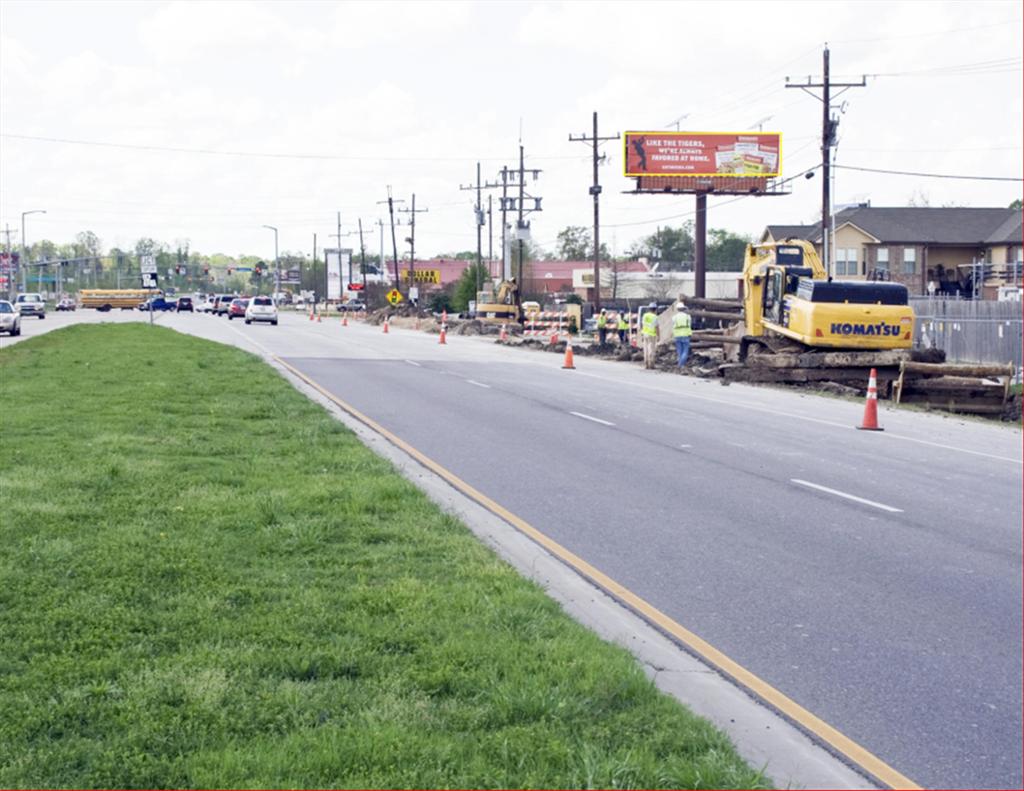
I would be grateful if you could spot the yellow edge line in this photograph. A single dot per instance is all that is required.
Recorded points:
(858, 755)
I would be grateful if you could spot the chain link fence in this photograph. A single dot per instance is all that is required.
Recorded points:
(970, 331)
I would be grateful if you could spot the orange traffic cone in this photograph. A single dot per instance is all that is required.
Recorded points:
(444, 316)
(310, 315)
(504, 333)
(568, 357)
(554, 338)
(871, 406)
(385, 325)
(319, 318)
(442, 338)
(344, 321)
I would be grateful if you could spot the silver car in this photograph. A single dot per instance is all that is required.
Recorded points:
(31, 305)
(261, 309)
(10, 319)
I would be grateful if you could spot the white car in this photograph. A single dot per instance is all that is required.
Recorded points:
(10, 319)
(261, 309)
(31, 305)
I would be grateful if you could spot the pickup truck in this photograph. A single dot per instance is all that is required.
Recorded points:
(157, 303)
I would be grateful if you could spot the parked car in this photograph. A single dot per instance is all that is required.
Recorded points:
(261, 309)
(237, 308)
(352, 304)
(10, 319)
(185, 303)
(31, 305)
(66, 304)
(157, 303)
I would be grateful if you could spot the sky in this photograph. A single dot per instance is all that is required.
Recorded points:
(205, 121)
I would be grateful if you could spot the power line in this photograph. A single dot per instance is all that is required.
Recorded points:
(929, 175)
(1005, 23)
(218, 152)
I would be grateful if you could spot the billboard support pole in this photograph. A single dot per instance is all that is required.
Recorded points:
(362, 256)
(700, 245)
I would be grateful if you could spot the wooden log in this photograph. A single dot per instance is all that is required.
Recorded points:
(715, 337)
(713, 304)
(716, 314)
(953, 369)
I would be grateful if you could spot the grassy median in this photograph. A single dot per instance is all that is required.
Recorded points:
(209, 582)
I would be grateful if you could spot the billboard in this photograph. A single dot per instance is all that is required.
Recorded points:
(723, 154)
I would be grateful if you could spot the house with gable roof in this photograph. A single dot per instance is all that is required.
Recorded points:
(940, 250)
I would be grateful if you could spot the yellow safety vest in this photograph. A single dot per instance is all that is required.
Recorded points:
(650, 323)
(602, 321)
(681, 326)
(623, 323)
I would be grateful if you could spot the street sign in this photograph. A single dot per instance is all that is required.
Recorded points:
(149, 280)
(147, 264)
(394, 296)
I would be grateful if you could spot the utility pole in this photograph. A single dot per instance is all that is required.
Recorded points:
(595, 190)
(518, 204)
(314, 271)
(380, 261)
(394, 244)
(362, 256)
(478, 215)
(490, 234)
(829, 126)
(10, 262)
(412, 244)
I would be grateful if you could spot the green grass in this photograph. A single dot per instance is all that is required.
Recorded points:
(209, 582)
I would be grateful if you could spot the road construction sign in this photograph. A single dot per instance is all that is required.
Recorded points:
(394, 296)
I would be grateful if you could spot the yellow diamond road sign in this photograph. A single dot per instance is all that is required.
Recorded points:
(394, 296)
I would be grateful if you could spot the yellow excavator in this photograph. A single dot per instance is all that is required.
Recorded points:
(798, 326)
(788, 297)
(499, 306)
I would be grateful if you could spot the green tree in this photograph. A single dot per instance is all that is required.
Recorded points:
(88, 244)
(574, 243)
(673, 248)
(725, 251)
(466, 286)
(1017, 204)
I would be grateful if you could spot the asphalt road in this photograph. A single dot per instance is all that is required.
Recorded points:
(875, 578)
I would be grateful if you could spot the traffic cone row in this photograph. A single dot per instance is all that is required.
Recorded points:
(870, 422)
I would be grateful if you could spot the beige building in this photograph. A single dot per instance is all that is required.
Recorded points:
(930, 250)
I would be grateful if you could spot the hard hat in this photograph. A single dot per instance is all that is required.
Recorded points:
(653, 305)
(603, 310)
(680, 306)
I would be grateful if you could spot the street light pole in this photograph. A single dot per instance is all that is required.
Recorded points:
(24, 247)
(277, 265)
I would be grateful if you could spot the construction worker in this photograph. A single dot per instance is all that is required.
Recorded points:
(649, 334)
(623, 325)
(682, 329)
(602, 326)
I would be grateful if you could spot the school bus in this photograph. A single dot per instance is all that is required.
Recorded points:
(107, 298)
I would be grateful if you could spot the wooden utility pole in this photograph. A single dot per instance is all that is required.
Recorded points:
(595, 190)
(478, 217)
(412, 242)
(362, 256)
(829, 125)
(394, 244)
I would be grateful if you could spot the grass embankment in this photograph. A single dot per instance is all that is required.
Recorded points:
(207, 581)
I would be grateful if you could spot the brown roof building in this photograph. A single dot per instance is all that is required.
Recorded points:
(930, 250)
